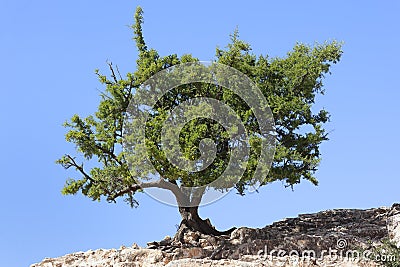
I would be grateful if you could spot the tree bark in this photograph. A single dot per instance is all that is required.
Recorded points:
(191, 221)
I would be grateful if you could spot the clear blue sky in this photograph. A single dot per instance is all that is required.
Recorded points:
(49, 50)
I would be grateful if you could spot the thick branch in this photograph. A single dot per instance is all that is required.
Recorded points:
(181, 197)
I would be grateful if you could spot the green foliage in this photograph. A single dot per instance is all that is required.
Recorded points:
(290, 85)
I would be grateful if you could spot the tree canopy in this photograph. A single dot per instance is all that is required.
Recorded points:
(290, 84)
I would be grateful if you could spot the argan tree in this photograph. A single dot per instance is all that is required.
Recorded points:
(290, 84)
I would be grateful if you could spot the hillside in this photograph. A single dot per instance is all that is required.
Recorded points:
(342, 237)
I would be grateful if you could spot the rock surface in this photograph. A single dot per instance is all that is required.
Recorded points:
(327, 238)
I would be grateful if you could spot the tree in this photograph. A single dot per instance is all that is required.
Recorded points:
(290, 84)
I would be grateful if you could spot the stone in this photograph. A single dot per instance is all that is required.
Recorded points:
(165, 242)
(191, 236)
(204, 242)
(319, 239)
(152, 243)
(393, 223)
(212, 240)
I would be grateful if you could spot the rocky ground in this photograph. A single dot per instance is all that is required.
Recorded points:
(328, 238)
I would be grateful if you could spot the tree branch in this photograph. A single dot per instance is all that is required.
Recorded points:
(181, 198)
(108, 152)
(119, 74)
(79, 168)
(112, 71)
(303, 79)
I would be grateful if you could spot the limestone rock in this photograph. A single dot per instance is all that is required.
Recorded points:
(327, 238)
(394, 224)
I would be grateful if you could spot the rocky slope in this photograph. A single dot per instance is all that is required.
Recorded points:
(343, 237)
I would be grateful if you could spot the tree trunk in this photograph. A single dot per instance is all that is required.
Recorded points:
(191, 221)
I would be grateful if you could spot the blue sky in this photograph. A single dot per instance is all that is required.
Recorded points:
(49, 50)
